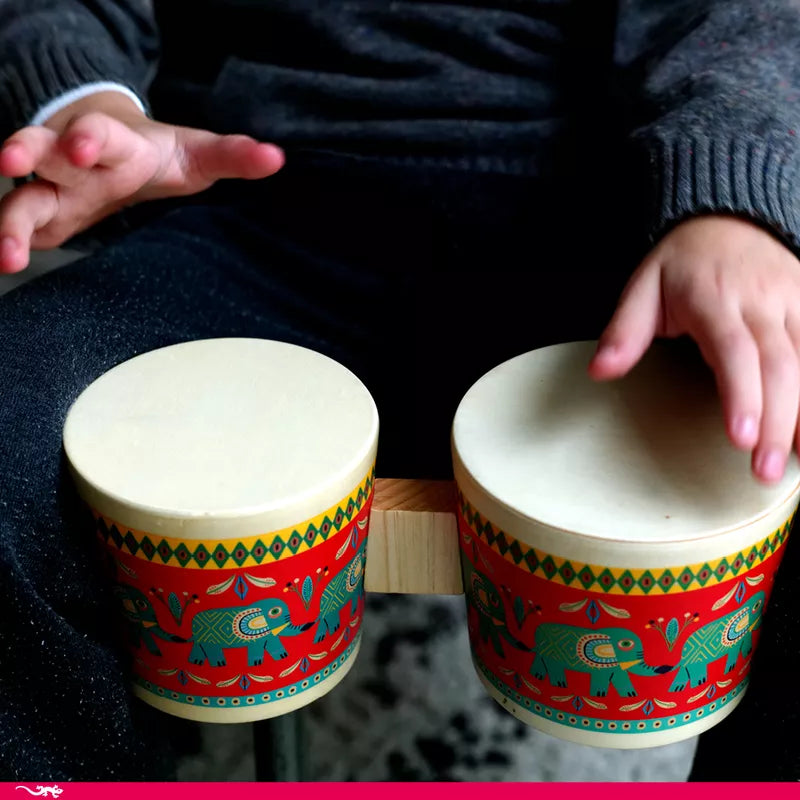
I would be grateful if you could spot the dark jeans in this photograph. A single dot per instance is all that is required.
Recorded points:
(417, 280)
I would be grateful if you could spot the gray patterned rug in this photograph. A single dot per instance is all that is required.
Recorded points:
(412, 709)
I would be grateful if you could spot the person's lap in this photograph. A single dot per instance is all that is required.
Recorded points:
(65, 710)
(417, 285)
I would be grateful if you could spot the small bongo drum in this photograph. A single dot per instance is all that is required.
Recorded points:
(230, 481)
(617, 553)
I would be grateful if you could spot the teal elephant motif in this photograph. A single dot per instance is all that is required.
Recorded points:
(730, 636)
(482, 596)
(140, 619)
(346, 587)
(258, 627)
(608, 655)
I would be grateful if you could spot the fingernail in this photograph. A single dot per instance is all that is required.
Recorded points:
(80, 141)
(605, 350)
(12, 146)
(8, 247)
(770, 465)
(744, 428)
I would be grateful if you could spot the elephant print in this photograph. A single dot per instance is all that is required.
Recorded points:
(140, 619)
(607, 655)
(485, 599)
(730, 636)
(257, 627)
(346, 587)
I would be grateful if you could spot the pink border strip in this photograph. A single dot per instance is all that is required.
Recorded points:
(394, 791)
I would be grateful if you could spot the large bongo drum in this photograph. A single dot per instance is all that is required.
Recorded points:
(230, 483)
(618, 555)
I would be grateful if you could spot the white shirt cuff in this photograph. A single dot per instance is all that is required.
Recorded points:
(73, 95)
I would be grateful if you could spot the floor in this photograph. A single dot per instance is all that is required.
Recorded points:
(413, 709)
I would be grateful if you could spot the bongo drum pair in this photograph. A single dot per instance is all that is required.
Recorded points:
(616, 554)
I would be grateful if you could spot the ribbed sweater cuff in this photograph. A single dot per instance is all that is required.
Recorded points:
(699, 175)
(32, 77)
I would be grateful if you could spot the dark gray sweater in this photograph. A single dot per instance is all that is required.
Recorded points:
(705, 92)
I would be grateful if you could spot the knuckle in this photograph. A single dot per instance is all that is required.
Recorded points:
(92, 122)
(734, 342)
(779, 363)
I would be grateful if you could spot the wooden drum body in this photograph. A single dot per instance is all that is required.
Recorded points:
(618, 556)
(230, 482)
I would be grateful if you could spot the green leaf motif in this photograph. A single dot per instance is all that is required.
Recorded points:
(672, 631)
(308, 589)
(519, 610)
(175, 607)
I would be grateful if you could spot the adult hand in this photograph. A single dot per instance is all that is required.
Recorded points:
(101, 154)
(735, 289)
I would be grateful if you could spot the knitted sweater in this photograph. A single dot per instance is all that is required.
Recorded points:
(704, 91)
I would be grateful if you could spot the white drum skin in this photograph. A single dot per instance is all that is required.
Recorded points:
(617, 552)
(230, 482)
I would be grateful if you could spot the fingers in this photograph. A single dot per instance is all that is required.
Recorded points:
(95, 139)
(214, 157)
(22, 213)
(633, 326)
(40, 150)
(780, 387)
(25, 150)
(91, 140)
(756, 367)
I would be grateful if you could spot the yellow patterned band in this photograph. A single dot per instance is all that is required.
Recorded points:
(235, 553)
(612, 580)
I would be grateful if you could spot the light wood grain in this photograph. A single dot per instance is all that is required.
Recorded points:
(413, 538)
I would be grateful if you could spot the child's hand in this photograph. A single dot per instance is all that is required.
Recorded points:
(735, 289)
(100, 154)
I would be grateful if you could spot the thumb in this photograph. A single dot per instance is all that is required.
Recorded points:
(209, 157)
(633, 326)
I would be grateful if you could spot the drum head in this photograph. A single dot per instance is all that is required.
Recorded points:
(645, 458)
(222, 429)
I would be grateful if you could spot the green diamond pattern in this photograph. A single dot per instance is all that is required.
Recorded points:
(183, 554)
(295, 542)
(606, 579)
(220, 555)
(115, 536)
(259, 551)
(666, 580)
(277, 547)
(647, 581)
(516, 551)
(131, 543)
(325, 528)
(567, 572)
(164, 550)
(686, 577)
(549, 566)
(704, 574)
(239, 554)
(201, 555)
(585, 576)
(627, 581)
(532, 560)
(502, 543)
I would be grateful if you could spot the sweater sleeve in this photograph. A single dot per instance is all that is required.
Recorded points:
(717, 121)
(50, 47)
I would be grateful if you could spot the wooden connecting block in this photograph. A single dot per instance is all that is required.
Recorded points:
(413, 538)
